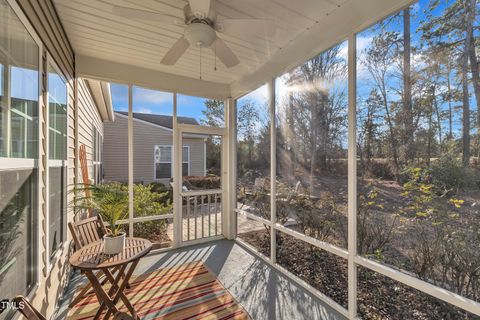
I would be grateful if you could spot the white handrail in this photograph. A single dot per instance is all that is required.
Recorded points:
(192, 193)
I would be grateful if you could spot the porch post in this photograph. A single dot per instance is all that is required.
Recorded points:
(273, 171)
(231, 190)
(177, 180)
(130, 161)
(352, 178)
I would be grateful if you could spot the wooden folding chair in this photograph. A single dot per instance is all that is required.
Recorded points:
(26, 308)
(85, 232)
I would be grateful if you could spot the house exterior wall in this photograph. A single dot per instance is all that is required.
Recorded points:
(88, 120)
(145, 137)
(42, 16)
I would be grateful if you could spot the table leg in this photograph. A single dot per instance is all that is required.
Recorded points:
(114, 283)
(109, 275)
(120, 295)
(102, 296)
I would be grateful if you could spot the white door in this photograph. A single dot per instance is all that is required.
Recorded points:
(199, 188)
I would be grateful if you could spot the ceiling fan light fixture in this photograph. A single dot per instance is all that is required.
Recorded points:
(200, 34)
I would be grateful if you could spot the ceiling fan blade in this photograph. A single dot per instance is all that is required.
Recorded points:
(175, 52)
(247, 27)
(200, 8)
(224, 53)
(140, 14)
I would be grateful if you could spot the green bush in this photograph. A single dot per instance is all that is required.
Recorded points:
(448, 173)
(165, 192)
(149, 203)
(207, 182)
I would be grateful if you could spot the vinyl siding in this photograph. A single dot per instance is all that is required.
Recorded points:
(88, 119)
(145, 137)
(43, 17)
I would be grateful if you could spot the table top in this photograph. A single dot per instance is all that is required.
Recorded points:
(92, 256)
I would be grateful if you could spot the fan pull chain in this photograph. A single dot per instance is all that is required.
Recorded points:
(200, 48)
(215, 54)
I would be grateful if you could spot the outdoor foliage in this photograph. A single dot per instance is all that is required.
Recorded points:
(207, 182)
(418, 148)
(110, 200)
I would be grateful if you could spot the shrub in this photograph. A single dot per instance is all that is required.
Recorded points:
(165, 192)
(447, 256)
(374, 231)
(148, 203)
(382, 170)
(444, 251)
(317, 218)
(374, 228)
(155, 230)
(448, 173)
(207, 182)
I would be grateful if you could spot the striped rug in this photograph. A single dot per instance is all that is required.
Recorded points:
(189, 291)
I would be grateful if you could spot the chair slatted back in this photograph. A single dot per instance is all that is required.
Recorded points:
(87, 231)
(27, 309)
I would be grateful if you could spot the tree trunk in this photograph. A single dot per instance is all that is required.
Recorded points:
(437, 112)
(430, 134)
(450, 111)
(466, 98)
(407, 88)
(291, 138)
(393, 141)
(313, 151)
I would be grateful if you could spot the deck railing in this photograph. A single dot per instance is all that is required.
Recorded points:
(201, 214)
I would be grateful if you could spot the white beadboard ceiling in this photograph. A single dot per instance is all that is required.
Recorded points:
(94, 31)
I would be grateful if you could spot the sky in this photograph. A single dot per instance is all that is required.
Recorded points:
(419, 12)
(156, 102)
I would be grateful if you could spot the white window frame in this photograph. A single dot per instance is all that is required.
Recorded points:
(168, 162)
(52, 257)
(19, 164)
(97, 157)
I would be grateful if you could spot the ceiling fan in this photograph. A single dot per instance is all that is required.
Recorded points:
(201, 28)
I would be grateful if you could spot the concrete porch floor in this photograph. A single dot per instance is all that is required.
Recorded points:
(264, 292)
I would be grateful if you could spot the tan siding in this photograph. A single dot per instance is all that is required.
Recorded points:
(197, 152)
(88, 119)
(44, 19)
(42, 16)
(145, 137)
(115, 150)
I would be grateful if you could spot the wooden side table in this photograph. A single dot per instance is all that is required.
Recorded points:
(91, 258)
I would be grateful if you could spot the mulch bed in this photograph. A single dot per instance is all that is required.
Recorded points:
(379, 297)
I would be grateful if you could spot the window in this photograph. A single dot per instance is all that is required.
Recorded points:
(17, 231)
(163, 162)
(57, 111)
(417, 149)
(19, 90)
(19, 113)
(253, 168)
(57, 172)
(311, 173)
(97, 156)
